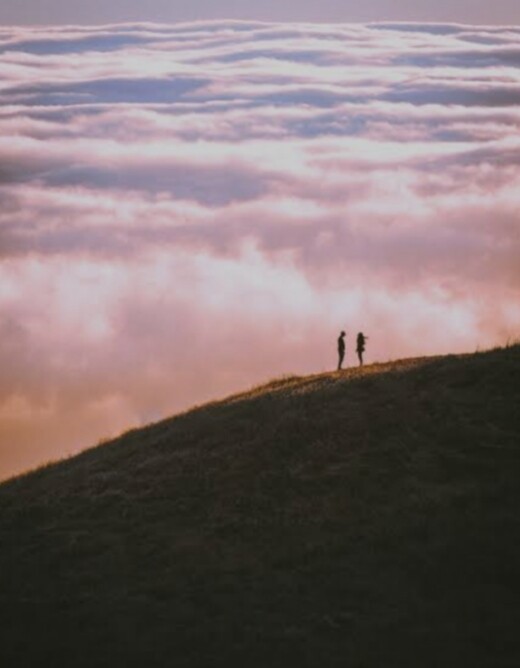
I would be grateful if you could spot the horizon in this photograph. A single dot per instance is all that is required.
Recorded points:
(190, 208)
(232, 20)
(480, 12)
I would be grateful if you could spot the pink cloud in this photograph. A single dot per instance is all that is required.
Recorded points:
(189, 210)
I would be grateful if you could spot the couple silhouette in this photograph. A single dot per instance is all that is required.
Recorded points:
(360, 348)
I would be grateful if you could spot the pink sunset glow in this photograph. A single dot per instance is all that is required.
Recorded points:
(190, 210)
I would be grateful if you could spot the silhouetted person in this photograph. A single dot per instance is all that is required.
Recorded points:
(360, 348)
(341, 349)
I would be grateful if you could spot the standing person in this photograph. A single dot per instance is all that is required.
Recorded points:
(341, 349)
(360, 348)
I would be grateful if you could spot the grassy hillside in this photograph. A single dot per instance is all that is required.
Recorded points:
(364, 518)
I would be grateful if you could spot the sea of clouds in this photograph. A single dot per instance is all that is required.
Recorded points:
(187, 210)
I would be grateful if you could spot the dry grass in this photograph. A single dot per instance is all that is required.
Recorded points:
(364, 518)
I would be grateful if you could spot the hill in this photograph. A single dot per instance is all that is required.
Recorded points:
(367, 518)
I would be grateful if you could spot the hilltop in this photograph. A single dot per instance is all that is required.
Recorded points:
(367, 518)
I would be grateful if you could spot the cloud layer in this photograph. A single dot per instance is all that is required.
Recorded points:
(187, 210)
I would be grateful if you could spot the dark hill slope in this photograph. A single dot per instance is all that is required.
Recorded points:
(363, 519)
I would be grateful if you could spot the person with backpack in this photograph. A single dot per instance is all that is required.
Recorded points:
(360, 348)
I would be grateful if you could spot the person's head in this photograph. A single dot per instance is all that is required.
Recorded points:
(343, 334)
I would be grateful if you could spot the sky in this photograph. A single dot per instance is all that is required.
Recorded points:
(100, 11)
(189, 210)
